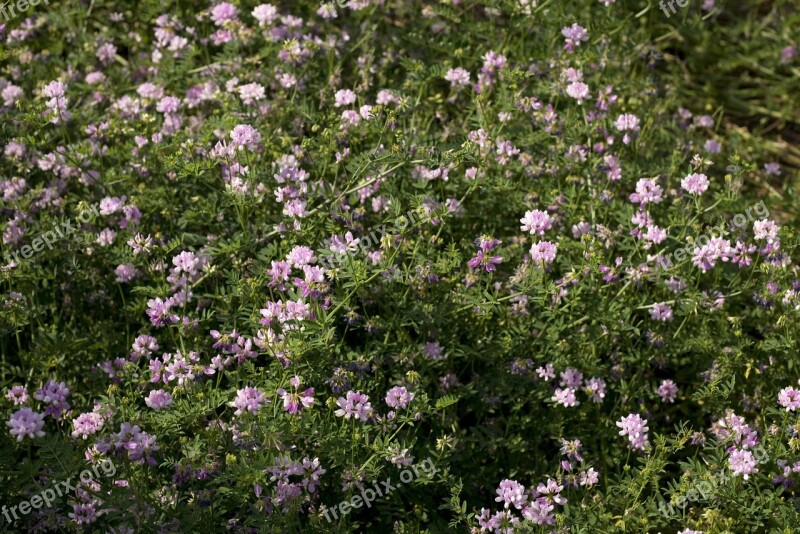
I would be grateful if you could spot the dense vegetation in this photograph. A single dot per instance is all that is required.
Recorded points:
(400, 266)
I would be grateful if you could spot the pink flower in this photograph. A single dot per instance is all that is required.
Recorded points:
(667, 391)
(265, 14)
(223, 12)
(742, 462)
(574, 35)
(251, 92)
(578, 90)
(87, 424)
(356, 405)
(26, 423)
(484, 260)
(635, 428)
(661, 312)
(789, 398)
(344, 97)
(536, 222)
(458, 77)
(647, 192)
(398, 398)
(511, 493)
(627, 122)
(596, 389)
(294, 402)
(765, 229)
(565, 397)
(18, 395)
(248, 400)
(544, 252)
(158, 399)
(655, 234)
(696, 184)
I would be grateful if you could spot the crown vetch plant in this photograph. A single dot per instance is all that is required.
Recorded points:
(550, 248)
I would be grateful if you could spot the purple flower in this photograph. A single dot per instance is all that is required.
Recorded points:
(540, 512)
(125, 273)
(627, 122)
(55, 395)
(399, 398)
(636, 429)
(712, 146)
(300, 256)
(589, 478)
(578, 90)
(765, 229)
(57, 105)
(487, 262)
(544, 252)
(111, 205)
(551, 491)
(248, 400)
(511, 492)
(596, 389)
(789, 398)
(667, 391)
(706, 257)
(571, 377)
(295, 401)
(159, 312)
(573, 36)
(141, 244)
(250, 93)
(572, 449)
(265, 14)
(355, 405)
(788, 53)
(168, 104)
(772, 169)
(143, 346)
(457, 77)
(661, 312)
(536, 222)
(223, 12)
(565, 397)
(140, 446)
(654, 234)
(185, 262)
(675, 284)
(84, 513)
(18, 395)
(243, 136)
(344, 97)
(647, 192)
(433, 350)
(87, 424)
(26, 423)
(742, 462)
(697, 184)
(158, 399)
(547, 372)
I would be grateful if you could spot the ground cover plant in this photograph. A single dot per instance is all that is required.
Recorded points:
(399, 266)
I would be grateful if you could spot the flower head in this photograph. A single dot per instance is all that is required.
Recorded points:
(356, 405)
(26, 423)
(635, 428)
